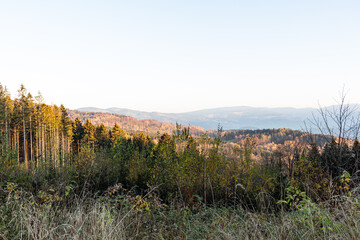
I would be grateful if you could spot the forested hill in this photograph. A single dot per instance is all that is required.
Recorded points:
(130, 124)
(271, 139)
(241, 117)
(266, 139)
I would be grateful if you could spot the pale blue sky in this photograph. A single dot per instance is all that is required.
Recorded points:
(175, 56)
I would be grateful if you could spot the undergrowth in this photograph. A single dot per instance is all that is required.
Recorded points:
(119, 213)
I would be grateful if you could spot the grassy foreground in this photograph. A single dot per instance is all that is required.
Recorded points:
(121, 214)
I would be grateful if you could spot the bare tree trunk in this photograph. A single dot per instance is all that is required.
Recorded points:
(38, 145)
(31, 144)
(58, 146)
(42, 143)
(205, 174)
(57, 154)
(24, 135)
(12, 140)
(38, 151)
(44, 153)
(68, 147)
(6, 127)
(62, 148)
(51, 146)
(17, 146)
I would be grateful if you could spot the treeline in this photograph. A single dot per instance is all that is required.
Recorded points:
(37, 132)
(265, 137)
(130, 124)
(33, 130)
(41, 145)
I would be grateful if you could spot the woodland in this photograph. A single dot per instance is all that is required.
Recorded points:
(78, 175)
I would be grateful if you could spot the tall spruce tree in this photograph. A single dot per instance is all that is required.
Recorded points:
(116, 133)
(89, 134)
(77, 135)
(66, 131)
(102, 137)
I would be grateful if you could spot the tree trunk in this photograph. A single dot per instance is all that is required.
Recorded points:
(17, 145)
(24, 135)
(31, 145)
(44, 154)
(62, 148)
(6, 127)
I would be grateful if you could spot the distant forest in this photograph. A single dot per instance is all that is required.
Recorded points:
(130, 124)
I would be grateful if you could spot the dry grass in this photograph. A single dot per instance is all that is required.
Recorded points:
(135, 217)
(92, 220)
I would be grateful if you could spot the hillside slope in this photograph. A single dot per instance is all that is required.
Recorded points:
(129, 124)
(241, 117)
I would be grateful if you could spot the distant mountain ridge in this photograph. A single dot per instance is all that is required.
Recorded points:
(128, 123)
(241, 117)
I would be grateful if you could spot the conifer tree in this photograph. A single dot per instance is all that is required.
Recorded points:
(40, 126)
(66, 131)
(116, 133)
(336, 158)
(102, 137)
(5, 112)
(77, 135)
(314, 154)
(22, 95)
(356, 154)
(89, 134)
(165, 163)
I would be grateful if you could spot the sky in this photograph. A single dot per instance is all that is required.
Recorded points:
(179, 56)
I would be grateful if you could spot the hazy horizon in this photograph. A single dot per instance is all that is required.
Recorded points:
(199, 109)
